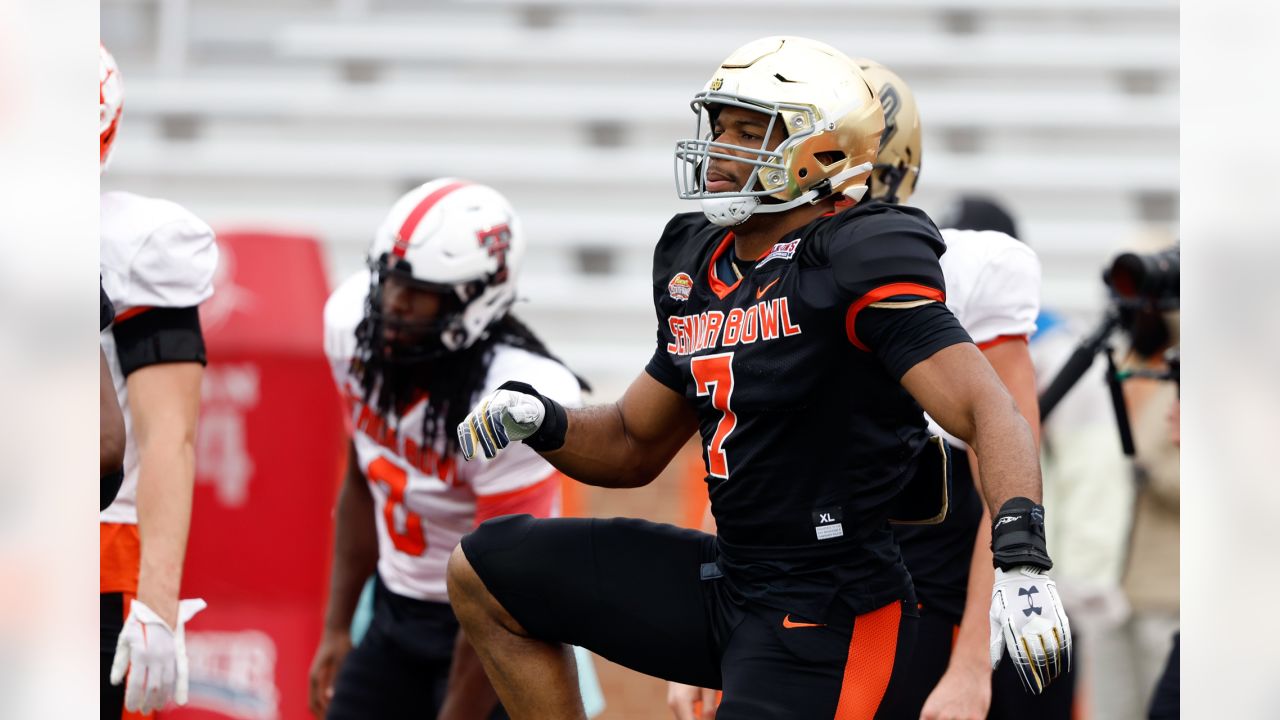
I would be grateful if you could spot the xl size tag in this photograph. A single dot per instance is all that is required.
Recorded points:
(827, 523)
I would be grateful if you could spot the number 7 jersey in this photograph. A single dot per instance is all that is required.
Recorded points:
(794, 373)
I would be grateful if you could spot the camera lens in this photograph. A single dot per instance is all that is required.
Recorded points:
(1152, 276)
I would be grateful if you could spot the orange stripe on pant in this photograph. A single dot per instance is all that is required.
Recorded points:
(872, 652)
(119, 556)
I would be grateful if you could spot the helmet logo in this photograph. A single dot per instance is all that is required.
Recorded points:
(717, 83)
(892, 103)
(497, 240)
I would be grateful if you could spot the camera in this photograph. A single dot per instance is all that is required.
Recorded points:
(1144, 288)
(1151, 277)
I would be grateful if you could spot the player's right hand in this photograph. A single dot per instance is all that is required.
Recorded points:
(691, 703)
(333, 649)
(501, 417)
(1028, 622)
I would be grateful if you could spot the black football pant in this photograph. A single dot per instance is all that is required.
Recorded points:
(650, 597)
(400, 669)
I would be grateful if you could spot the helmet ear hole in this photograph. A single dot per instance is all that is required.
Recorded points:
(830, 157)
(804, 173)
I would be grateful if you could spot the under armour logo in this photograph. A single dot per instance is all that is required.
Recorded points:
(1031, 605)
(825, 518)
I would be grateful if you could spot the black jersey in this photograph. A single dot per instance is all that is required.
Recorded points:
(807, 433)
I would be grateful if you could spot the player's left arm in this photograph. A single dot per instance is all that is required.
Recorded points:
(165, 402)
(964, 690)
(961, 391)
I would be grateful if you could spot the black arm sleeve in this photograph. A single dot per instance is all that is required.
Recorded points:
(900, 338)
(159, 335)
(106, 311)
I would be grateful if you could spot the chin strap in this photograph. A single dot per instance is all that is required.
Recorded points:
(731, 211)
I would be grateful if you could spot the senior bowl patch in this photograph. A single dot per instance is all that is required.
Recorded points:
(781, 251)
(680, 286)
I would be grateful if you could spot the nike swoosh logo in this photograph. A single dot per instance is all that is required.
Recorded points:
(760, 293)
(788, 623)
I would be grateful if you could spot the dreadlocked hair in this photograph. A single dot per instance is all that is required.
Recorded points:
(450, 382)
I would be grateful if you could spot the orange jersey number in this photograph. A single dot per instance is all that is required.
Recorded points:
(404, 527)
(713, 375)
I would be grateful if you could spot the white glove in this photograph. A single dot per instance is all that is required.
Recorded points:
(155, 656)
(1027, 619)
(501, 417)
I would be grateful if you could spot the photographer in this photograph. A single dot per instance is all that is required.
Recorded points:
(1151, 572)
(1131, 642)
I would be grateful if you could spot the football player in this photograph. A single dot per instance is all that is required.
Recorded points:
(993, 288)
(413, 341)
(157, 267)
(801, 343)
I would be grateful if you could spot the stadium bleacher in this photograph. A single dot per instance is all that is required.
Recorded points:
(313, 116)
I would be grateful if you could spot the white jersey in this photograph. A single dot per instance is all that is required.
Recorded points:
(425, 500)
(154, 253)
(993, 289)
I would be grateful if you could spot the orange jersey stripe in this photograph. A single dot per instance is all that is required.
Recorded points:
(880, 293)
(120, 554)
(718, 286)
(872, 652)
(537, 500)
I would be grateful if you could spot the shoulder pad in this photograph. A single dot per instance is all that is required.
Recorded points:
(993, 283)
(154, 253)
(876, 245)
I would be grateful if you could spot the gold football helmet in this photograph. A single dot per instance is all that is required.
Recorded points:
(831, 116)
(898, 165)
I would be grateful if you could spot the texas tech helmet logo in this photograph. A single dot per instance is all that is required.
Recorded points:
(497, 240)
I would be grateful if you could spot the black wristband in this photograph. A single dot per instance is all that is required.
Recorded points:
(1017, 536)
(550, 435)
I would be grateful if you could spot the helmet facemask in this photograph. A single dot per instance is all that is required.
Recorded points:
(777, 182)
(819, 98)
(421, 341)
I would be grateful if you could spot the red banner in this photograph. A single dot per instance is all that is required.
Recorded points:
(268, 461)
